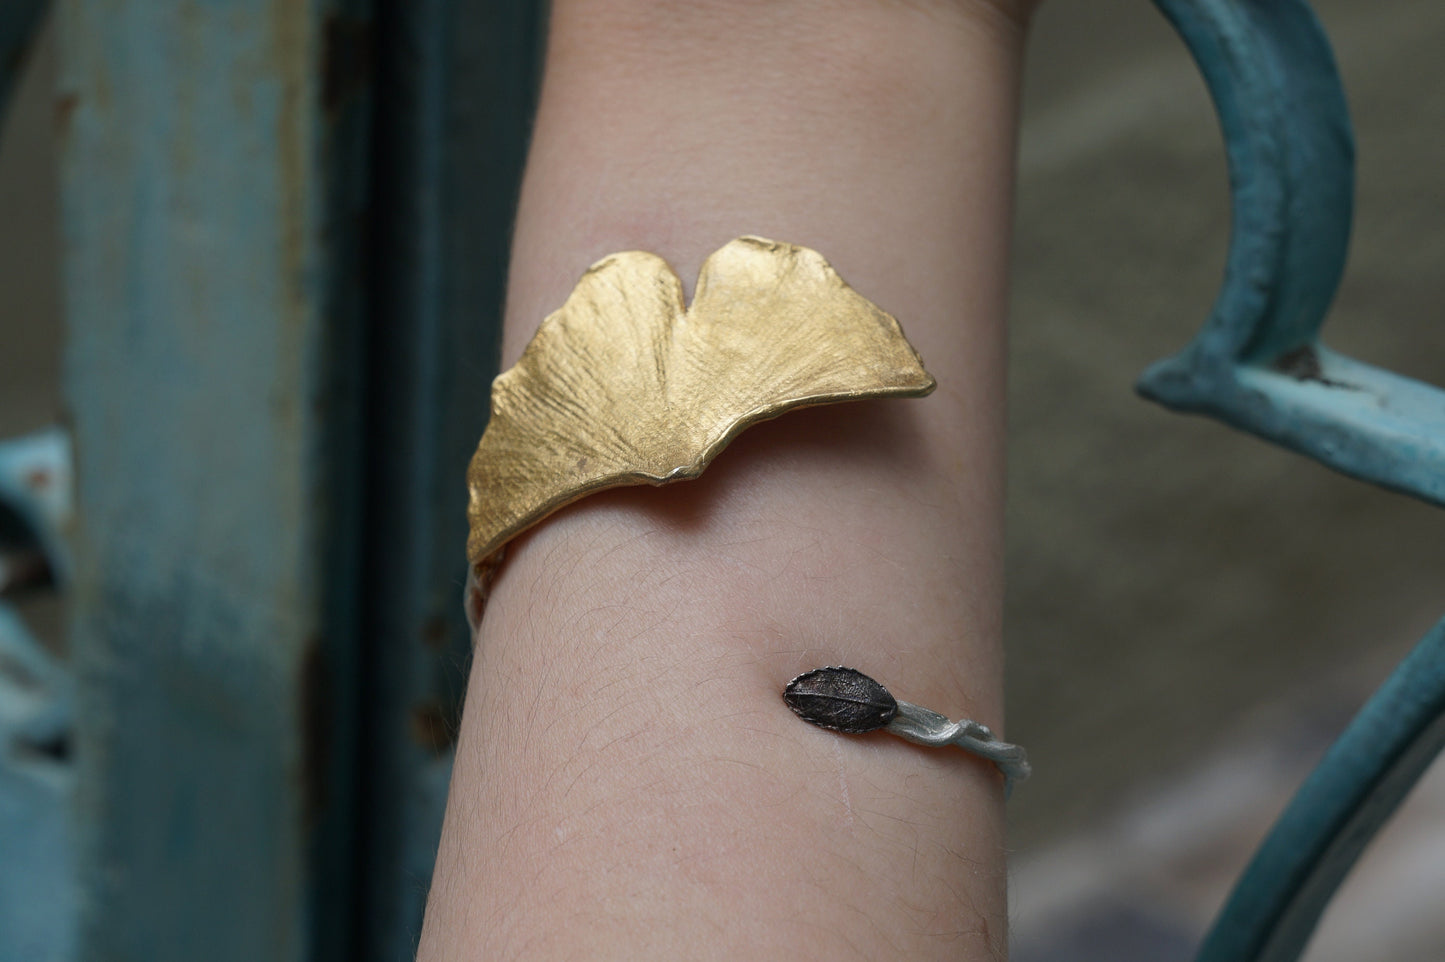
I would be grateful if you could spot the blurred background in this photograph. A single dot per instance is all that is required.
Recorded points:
(1192, 613)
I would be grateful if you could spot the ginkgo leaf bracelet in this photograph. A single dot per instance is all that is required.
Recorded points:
(626, 384)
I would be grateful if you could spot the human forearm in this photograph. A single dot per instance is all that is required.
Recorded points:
(629, 784)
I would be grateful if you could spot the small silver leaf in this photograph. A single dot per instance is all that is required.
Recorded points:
(842, 699)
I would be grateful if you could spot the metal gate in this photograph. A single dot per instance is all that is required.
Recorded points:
(286, 228)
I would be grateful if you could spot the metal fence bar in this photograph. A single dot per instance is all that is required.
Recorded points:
(455, 91)
(213, 185)
(1347, 799)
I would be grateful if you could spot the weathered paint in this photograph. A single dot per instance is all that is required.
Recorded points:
(1257, 363)
(210, 207)
(38, 894)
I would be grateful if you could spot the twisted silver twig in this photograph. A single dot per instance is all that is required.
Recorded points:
(848, 701)
(924, 726)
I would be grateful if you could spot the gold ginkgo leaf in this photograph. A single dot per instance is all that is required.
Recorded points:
(627, 385)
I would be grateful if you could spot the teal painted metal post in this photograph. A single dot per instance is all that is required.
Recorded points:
(213, 178)
(455, 91)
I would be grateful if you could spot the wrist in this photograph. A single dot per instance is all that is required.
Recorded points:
(830, 536)
(627, 681)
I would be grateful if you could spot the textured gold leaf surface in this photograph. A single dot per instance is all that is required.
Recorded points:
(626, 385)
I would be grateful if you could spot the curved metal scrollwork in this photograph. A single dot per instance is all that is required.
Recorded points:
(1257, 364)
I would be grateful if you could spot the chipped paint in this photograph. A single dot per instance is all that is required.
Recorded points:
(212, 607)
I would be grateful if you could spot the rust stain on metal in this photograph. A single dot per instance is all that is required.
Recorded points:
(434, 632)
(295, 159)
(65, 105)
(1303, 364)
(432, 727)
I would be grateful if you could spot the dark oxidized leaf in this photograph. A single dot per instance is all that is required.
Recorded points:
(842, 699)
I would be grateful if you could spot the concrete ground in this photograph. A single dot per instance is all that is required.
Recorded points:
(1191, 612)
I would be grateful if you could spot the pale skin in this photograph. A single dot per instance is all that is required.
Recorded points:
(629, 783)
